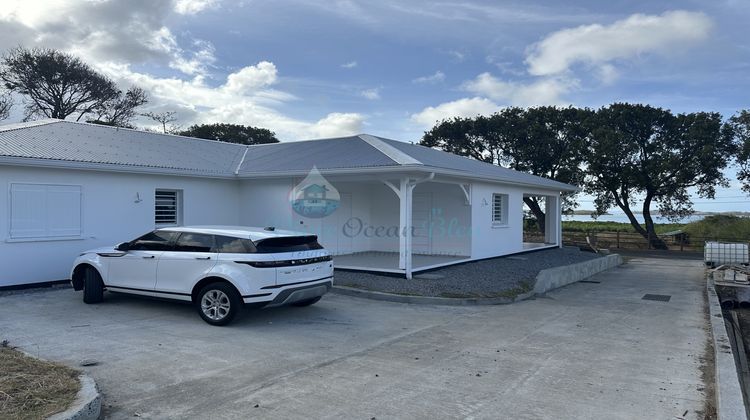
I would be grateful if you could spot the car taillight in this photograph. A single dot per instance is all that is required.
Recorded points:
(286, 263)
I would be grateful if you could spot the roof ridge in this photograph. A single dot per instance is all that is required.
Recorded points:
(139, 130)
(391, 152)
(26, 124)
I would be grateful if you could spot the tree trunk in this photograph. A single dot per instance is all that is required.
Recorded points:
(537, 211)
(652, 238)
(648, 233)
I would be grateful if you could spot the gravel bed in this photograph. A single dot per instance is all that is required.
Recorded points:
(496, 277)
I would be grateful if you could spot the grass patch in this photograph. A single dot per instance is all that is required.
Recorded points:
(524, 286)
(594, 226)
(722, 227)
(32, 388)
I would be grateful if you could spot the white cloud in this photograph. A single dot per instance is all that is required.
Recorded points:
(115, 36)
(546, 91)
(251, 78)
(132, 31)
(371, 94)
(191, 7)
(349, 65)
(466, 107)
(337, 124)
(245, 98)
(436, 77)
(597, 44)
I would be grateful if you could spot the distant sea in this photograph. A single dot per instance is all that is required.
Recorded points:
(622, 218)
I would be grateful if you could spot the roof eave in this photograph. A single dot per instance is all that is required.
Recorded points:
(108, 167)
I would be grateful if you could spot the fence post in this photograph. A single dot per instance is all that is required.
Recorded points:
(682, 242)
(618, 239)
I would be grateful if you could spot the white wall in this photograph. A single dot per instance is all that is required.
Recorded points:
(266, 203)
(451, 219)
(109, 215)
(491, 241)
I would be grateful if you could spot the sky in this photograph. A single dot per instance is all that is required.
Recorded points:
(309, 69)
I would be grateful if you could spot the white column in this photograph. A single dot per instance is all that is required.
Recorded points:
(559, 221)
(552, 219)
(405, 227)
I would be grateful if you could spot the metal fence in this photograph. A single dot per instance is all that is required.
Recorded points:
(631, 240)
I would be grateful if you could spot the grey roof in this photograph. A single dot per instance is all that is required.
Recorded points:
(68, 143)
(301, 156)
(60, 140)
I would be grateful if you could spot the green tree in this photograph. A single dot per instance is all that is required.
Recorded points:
(642, 153)
(120, 111)
(544, 141)
(55, 84)
(6, 103)
(739, 124)
(231, 133)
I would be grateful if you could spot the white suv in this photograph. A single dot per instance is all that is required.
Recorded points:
(218, 268)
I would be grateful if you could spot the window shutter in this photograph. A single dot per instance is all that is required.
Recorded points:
(166, 209)
(45, 211)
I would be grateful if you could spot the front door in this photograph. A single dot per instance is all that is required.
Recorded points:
(191, 258)
(136, 270)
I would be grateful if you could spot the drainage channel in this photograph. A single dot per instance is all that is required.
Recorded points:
(736, 311)
(738, 329)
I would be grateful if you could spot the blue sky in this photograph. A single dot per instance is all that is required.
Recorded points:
(309, 69)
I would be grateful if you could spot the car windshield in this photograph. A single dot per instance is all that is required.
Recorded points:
(288, 244)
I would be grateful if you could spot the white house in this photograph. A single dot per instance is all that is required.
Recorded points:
(75, 186)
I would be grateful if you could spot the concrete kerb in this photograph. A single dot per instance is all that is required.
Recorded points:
(546, 280)
(87, 405)
(729, 401)
(552, 278)
(88, 402)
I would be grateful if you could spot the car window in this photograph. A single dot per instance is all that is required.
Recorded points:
(288, 244)
(229, 245)
(157, 240)
(194, 242)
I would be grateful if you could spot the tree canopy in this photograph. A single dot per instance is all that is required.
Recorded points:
(56, 84)
(231, 133)
(739, 124)
(642, 153)
(120, 111)
(6, 103)
(545, 141)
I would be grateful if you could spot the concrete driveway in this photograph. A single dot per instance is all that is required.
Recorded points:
(589, 350)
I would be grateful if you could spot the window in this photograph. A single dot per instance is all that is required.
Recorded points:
(229, 245)
(194, 242)
(288, 244)
(167, 207)
(499, 209)
(158, 240)
(40, 211)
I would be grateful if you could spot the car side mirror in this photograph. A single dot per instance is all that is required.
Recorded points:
(123, 246)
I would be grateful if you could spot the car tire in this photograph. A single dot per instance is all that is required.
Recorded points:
(307, 302)
(218, 303)
(93, 286)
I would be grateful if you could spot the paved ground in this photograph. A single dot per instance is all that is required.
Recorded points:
(584, 351)
(486, 278)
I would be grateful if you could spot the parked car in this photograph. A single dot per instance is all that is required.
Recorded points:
(218, 268)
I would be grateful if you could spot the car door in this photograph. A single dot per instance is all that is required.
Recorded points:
(190, 259)
(136, 270)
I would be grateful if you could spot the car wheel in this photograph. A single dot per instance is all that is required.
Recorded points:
(218, 303)
(93, 286)
(307, 302)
